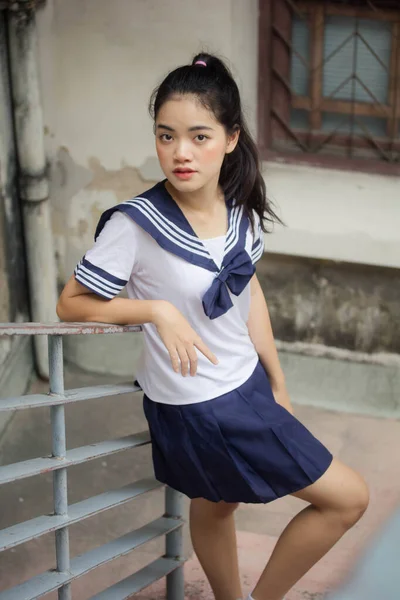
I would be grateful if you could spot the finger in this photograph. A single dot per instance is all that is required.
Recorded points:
(184, 359)
(175, 360)
(192, 354)
(206, 351)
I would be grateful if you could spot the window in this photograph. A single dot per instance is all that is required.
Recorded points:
(330, 79)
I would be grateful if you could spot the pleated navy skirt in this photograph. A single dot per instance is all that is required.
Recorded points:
(239, 447)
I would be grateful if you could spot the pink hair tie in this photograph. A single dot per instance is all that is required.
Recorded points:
(200, 62)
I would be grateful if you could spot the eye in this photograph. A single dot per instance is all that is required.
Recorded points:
(165, 137)
(201, 137)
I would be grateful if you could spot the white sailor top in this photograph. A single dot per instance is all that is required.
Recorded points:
(147, 245)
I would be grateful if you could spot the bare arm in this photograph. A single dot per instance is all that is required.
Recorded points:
(260, 329)
(77, 303)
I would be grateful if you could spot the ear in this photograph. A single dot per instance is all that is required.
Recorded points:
(232, 140)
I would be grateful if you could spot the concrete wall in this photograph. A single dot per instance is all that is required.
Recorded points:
(336, 215)
(344, 306)
(99, 63)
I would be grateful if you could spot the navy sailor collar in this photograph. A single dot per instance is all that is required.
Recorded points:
(159, 215)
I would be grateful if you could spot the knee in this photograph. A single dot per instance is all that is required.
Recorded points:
(356, 505)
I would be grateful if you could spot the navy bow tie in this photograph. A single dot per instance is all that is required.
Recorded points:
(235, 276)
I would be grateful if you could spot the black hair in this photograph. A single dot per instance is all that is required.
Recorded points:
(212, 83)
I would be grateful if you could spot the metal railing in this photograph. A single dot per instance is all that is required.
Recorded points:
(68, 569)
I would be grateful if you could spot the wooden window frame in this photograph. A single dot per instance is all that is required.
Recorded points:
(274, 59)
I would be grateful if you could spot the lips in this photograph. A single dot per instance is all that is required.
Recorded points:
(183, 173)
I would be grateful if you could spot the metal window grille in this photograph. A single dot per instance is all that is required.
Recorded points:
(68, 569)
(335, 79)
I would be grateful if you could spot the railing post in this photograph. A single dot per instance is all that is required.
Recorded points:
(60, 489)
(173, 545)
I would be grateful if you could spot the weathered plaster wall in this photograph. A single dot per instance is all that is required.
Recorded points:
(339, 215)
(341, 305)
(79, 196)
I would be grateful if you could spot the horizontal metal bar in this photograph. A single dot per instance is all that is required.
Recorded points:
(140, 580)
(80, 565)
(29, 530)
(77, 395)
(65, 328)
(36, 466)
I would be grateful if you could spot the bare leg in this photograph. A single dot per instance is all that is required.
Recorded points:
(337, 501)
(212, 528)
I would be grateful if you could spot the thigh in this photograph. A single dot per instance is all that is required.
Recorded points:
(339, 487)
(206, 508)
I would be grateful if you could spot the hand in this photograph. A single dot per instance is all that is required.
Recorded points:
(281, 396)
(180, 339)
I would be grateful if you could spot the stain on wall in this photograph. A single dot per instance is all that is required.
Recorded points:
(336, 304)
(66, 179)
(69, 178)
(125, 182)
(79, 195)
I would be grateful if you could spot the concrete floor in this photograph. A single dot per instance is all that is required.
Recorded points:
(370, 445)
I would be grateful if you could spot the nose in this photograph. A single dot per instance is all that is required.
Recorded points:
(182, 152)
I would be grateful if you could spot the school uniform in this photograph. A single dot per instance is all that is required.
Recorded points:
(219, 435)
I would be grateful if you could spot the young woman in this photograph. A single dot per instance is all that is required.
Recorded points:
(221, 422)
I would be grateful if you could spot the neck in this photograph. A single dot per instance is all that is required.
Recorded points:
(204, 200)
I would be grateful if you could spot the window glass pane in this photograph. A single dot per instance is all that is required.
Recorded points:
(363, 126)
(299, 118)
(355, 58)
(334, 122)
(372, 126)
(299, 76)
(373, 70)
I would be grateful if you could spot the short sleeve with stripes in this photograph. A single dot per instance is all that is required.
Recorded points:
(107, 266)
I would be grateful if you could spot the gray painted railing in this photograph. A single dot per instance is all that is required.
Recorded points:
(68, 569)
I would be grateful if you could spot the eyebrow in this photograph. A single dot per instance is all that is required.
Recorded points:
(195, 128)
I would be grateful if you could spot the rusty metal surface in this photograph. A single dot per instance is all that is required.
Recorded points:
(65, 328)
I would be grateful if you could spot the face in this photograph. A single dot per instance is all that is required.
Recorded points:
(191, 144)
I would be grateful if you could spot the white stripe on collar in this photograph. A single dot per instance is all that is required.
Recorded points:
(162, 220)
(166, 227)
(236, 216)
